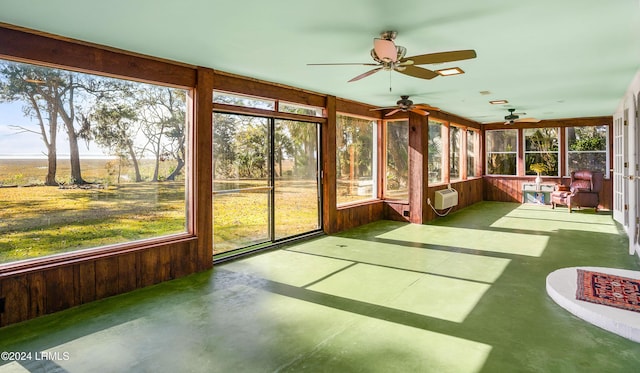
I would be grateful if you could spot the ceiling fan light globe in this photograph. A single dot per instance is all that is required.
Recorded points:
(375, 56)
(385, 50)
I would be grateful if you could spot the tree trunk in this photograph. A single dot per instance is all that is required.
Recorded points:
(74, 156)
(74, 153)
(52, 165)
(134, 159)
(156, 169)
(177, 171)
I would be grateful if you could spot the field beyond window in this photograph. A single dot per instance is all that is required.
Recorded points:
(87, 161)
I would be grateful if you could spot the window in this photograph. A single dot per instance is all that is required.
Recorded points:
(472, 148)
(287, 107)
(88, 161)
(436, 160)
(243, 100)
(455, 153)
(265, 180)
(588, 148)
(502, 152)
(355, 159)
(541, 146)
(397, 160)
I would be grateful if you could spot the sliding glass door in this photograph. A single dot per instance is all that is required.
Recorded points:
(296, 178)
(241, 181)
(265, 180)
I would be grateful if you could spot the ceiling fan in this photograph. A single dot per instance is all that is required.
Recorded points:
(404, 104)
(514, 117)
(389, 56)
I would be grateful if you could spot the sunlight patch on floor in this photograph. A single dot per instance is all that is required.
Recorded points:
(473, 239)
(434, 296)
(543, 218)
(440, 262)
(288, 267)
(380, 346)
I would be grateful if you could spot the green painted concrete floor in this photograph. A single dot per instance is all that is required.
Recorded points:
(463, 294)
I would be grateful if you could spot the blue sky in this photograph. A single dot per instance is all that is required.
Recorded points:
(28, 144)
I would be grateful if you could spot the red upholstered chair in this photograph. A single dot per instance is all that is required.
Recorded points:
(583, 191)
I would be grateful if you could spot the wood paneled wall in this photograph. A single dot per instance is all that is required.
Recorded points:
(33, 293)
(469, 192)
(353, 216)
(509, 189)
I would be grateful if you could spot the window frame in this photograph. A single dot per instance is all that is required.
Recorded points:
(477, 172)
(525, 151)
(516, 151)
(127, 66)
(607, 151)
(385, 184)
(462, 156)
(375, 158)
(444, 158)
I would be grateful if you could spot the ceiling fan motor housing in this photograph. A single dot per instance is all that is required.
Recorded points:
(511, 117)
(404, 103)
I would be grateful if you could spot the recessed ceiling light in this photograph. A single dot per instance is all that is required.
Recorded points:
(498, 102)
(450, 71)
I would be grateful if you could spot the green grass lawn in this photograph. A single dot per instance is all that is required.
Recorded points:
(41, 220)
(38, 220)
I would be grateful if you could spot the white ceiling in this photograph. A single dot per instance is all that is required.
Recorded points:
(549, 58)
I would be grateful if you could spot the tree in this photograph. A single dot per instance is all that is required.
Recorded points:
(41, 90)
(224, 133)
(541, 145)
(162, 115)
(177, 133)
(115, 127)
(67, 111)
(303, 137)
(60, 95)
(397, 155)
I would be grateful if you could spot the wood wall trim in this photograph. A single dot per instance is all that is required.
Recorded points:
(328, 141)
(29, 47)
(202, 164)
(453, 118)
(258, 88)
(570, 122)
(233, 109)
(418, 173)
(358, 109)
(75, 257)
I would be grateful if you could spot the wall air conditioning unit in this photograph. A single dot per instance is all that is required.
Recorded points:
(446, 198)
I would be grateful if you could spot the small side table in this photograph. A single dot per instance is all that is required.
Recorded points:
(540, 196)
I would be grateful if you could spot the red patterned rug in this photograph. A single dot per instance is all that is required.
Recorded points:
(610, 290)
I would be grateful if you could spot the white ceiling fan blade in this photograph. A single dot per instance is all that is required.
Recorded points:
(364, 75)
(385, 50)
